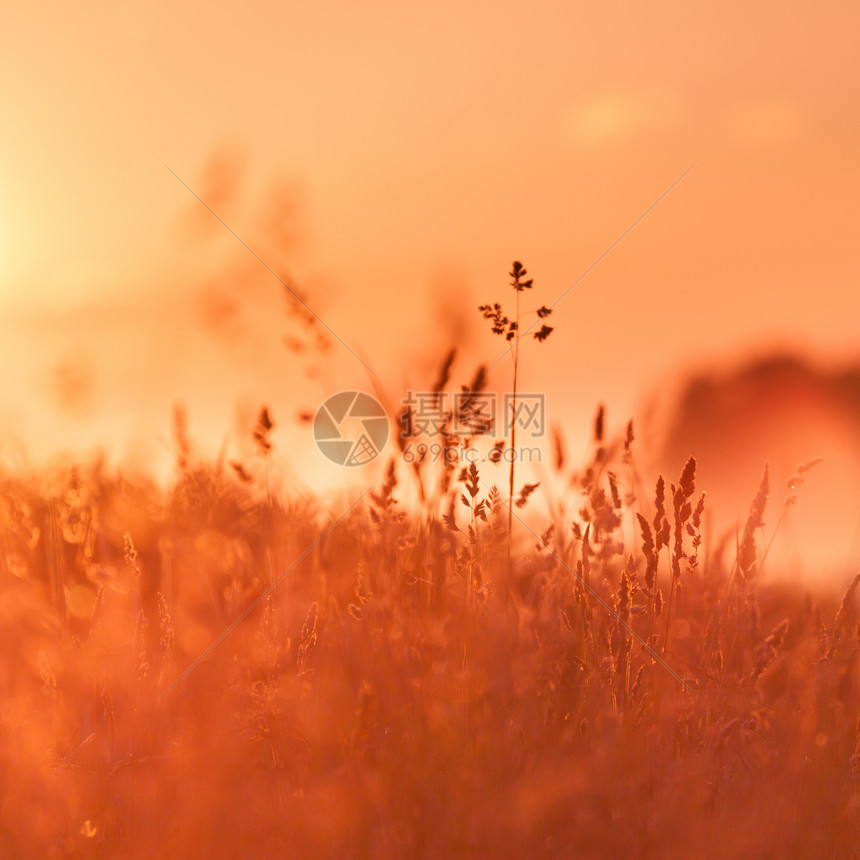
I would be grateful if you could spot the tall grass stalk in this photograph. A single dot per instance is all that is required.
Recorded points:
(510, 330)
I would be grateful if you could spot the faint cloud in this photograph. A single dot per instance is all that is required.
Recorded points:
(282, 220)
(764, 122)
(219, 186)
(219, 311)
(71, 384)
(454, 320)
(610, 116)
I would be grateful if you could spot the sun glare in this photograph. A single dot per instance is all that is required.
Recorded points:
(5, 252)
(329, 530)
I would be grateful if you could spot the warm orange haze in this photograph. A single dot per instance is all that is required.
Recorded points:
(429, 432)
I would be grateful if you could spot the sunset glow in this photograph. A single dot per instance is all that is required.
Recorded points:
(265, 269)
(386, 156)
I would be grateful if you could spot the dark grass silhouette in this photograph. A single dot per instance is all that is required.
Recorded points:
(784, 411)
(646, 703)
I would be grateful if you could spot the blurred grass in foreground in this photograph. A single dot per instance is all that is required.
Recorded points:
(376, 700)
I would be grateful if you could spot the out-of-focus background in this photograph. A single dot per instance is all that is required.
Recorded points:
(389, 162)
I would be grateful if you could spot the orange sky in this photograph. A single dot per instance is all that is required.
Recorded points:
(394, 159)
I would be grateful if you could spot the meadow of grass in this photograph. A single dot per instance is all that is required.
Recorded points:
(219, 671)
